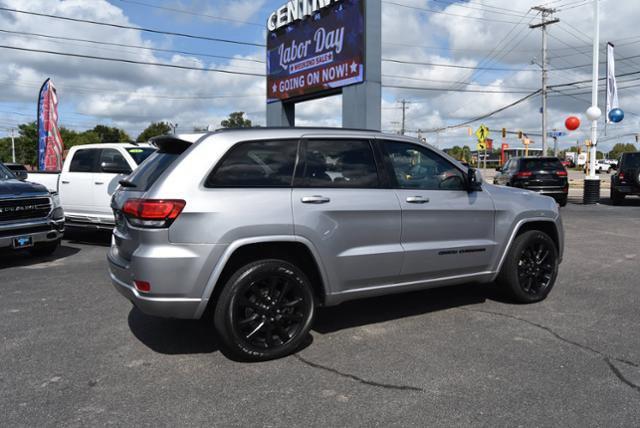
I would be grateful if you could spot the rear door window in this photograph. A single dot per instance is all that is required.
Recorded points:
(339, 163)
(256, 164)
(85, 160)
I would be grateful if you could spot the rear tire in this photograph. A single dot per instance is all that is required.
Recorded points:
(530, 268)
(45, 249)
(265, 311)
(562, 201)
(616, 197)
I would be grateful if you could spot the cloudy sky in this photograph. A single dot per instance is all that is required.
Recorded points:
(475, 57)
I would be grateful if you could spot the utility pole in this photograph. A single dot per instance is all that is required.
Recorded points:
(13, 147)
(546, 19)
(404, 108)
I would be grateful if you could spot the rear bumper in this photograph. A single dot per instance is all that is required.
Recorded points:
(40, 231)
(161, 306)
(627, 189)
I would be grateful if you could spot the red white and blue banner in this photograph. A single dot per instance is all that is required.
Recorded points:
(50, 146)
(318, 51)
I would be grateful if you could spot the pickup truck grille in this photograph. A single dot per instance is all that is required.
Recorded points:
(22, 209)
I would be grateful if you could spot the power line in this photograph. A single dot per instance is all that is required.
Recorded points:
(478, 91)
(48, 36)
(130, 61)
(128, 27)
(426, 10)
(487, 115)
(399, 61)
(193, 13)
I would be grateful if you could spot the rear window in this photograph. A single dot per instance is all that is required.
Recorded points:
(146, 174)
(139, 154)
(541, 165)
(631, 160)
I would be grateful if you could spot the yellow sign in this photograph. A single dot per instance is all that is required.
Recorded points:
(482, 133)
(481, 146)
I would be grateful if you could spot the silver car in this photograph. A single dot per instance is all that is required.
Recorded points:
(258, 227)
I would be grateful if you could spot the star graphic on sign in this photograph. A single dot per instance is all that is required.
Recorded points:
(354, 67)
(274, 88)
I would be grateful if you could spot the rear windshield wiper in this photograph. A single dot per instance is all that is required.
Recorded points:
(127, 183)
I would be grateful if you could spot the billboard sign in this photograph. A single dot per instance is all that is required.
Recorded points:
(315, 46)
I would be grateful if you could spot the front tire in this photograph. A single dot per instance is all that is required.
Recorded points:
(530, 268)
(265, 311)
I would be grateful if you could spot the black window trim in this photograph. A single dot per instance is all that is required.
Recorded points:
(299, 180)
(391, 172)
(207, 185)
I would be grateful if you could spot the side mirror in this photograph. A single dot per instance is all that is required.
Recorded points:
(114, 168)
(499, 169)
(21, 175)
(474, 180)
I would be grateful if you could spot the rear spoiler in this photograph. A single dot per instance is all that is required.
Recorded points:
(170, 144)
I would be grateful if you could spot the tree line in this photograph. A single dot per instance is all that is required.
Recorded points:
(26, 138)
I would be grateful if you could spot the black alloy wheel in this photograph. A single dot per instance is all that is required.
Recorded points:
(535, 267)
(265, 311)
(269, 311)
(530, 268)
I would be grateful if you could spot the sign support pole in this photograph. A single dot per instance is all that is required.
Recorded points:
(282, 114)
(361, 104)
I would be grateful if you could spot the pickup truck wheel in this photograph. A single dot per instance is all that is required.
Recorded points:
(265, 311)
(45, 249)
(530, 268)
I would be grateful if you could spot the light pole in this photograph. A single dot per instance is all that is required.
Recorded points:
(13, 147)
(592, 181)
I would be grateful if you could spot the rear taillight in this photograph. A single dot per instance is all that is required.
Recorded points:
(142, 286)
(621, 176)
(561, 173)
(524, 174)
(152, 212)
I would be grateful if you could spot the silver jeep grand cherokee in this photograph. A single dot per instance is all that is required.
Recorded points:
(261, 226)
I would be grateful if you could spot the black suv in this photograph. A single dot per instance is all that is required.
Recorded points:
(545, 175)
(626, 180)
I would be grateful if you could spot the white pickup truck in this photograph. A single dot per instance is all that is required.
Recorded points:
(90, 174)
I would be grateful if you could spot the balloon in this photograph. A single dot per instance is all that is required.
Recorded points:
(572, 123)
(593, 113)
(616, 115)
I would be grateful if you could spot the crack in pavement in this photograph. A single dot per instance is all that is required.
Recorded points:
(356, 378)
(605, 357)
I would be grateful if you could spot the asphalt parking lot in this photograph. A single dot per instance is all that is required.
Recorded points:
(73, 352)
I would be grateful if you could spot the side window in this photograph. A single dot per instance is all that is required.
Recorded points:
(84, 160)
(417, 167)
(506, 166)
(256, 164)
(339, 163)
(513, 166)
(115, 158)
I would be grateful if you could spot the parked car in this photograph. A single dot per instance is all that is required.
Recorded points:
(30, 216)
(544, 175)
(90, 174)
(626, 180)
(261, 226)
(19, 170)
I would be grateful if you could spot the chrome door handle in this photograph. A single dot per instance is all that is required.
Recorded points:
(315, 199)
(98, 182)
(417, 200)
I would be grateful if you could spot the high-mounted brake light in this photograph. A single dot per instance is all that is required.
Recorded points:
(524, 174)
(152, 212)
